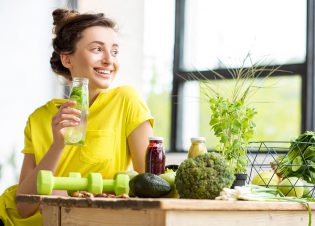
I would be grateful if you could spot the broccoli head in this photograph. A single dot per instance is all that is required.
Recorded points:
(203, 177)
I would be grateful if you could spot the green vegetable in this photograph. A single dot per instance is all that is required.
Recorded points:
(203, 177)
(300, 159)
(308, 189)
(266, 178)
(297, 163)
(169, 176)
(259, 193)
(291, 186)
(149, 185)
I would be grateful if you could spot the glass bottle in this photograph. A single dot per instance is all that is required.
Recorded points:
(155, 156)
(198, 147)
(79, 93)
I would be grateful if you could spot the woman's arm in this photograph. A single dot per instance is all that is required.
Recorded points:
(66, 117)
(28, 177)
(138, 142)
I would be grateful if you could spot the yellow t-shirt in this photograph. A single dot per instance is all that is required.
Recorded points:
(112, 117)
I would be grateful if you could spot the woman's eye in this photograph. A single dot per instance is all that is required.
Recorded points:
(115, 52)
(97, 49)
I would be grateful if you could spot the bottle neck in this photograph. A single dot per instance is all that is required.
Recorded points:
(76, 82)
(79, 84)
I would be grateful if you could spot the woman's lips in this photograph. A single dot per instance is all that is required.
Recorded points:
(103, 73)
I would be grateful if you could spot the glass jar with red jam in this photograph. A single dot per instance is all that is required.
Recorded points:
(155, 156)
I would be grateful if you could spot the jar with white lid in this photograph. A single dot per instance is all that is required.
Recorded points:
(198, 147)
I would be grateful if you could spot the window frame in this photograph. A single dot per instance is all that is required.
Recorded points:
(305, 69)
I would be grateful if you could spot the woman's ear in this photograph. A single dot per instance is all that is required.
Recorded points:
(65, 60)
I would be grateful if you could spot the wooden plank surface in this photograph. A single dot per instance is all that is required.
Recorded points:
(110, 217)
(237, 218)
(163, 204)
(195, 204)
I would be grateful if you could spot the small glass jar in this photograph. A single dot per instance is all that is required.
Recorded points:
(155, 156)
(198, 147)
(79, 93)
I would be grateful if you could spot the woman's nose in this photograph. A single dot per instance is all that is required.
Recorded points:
(107, 58)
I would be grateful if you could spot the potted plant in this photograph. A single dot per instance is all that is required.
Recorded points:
(233, 123)
(232, 116)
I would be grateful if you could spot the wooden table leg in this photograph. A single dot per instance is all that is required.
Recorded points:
(51, 215)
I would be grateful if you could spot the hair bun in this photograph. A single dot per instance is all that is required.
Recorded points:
(60, 16)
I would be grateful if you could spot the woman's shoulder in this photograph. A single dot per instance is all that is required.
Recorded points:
(49, 108)
(126, 90)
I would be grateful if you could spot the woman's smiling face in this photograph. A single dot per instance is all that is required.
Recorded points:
(95, 57)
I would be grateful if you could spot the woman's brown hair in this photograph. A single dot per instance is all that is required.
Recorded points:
(68, 27)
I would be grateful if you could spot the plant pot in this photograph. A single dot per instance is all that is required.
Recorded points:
(240, 179)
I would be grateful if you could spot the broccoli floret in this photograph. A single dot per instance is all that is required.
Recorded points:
(203, 177)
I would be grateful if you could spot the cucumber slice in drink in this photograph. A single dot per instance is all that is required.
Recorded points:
(77, 91)
(73, 135)
(78, 101)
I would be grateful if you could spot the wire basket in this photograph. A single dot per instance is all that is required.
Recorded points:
(271, 162)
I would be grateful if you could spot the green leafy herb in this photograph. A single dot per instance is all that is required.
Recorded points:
(233, 123)
(232, 119)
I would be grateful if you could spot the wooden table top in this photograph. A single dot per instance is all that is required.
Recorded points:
(161, 203)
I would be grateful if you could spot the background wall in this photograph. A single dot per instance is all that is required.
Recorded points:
(129, 15)
(25, 76)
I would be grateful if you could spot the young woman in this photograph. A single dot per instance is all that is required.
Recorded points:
(119, 122)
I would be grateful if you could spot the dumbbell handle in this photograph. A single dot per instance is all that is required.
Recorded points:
(108, 185)
(119, 186)
(70, 183)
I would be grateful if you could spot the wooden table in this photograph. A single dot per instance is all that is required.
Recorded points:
(58, 211)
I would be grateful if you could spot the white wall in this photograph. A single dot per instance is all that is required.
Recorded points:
(25, 77)
(128, 14)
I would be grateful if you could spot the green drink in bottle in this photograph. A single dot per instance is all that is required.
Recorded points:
(79, 93)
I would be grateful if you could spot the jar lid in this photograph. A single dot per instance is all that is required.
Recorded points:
(197, 139)
(156, 138)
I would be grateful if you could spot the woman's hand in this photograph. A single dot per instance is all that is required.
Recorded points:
(65, 117)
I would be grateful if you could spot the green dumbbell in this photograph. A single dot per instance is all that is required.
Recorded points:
(120, 185)
(94, 183)
(46, 183)
(75, 175)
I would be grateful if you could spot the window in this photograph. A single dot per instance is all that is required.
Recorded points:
(230, 29)
(158, 59)
(217, 35)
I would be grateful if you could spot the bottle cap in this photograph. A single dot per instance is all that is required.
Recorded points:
(155, 138)
(80, 79)
(198, 139)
